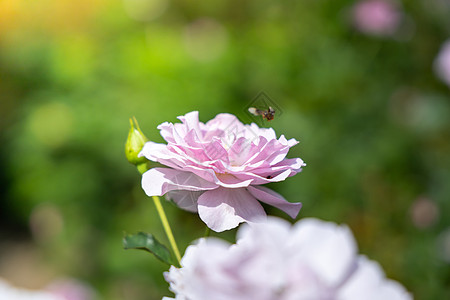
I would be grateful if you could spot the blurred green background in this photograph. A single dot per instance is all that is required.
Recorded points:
(370, 113)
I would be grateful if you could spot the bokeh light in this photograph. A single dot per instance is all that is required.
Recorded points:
(378, 17)
(424, 213)
(145, 10)
(51, 124)
(205, 39)
(442, 63)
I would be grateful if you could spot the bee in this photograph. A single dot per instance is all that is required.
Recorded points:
(268, 114)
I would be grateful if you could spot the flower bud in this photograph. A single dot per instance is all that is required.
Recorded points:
(135, 141)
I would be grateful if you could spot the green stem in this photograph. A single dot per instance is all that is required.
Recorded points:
(207, 232)
(166, 226)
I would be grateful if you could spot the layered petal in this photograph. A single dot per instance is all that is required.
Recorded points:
(221, 153)
(231, 181)
(155, 151)
(257, 179)
(369, 282)
(270, 197)
(186, 200)
(222, 209)
(191, 122)
(158, 181)
(330, 249)
(274, 260)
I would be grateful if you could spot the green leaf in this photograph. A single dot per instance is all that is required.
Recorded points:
(147, 242)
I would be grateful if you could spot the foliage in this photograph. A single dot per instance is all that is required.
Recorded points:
(147, 242)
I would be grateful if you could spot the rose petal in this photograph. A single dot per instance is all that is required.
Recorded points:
(154, 151)
(240, 151)
(293, 164)
(268, 133)
(186, 200)
(223, 121)
(191, 122)
(216, 151)
(290, 143)
(172, 133)
(230, 181)
(270, 197)
(328, 248)
(166, 131)
(262, 180)
(222, 209)
(274, 151)
(158, 181)
(192, 139)
(369, 282)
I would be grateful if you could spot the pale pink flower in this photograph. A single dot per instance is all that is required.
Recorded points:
(276, 261)
(377, 17)
(442, 63)
(72, 289)
(9, 292)
(218, 168)
(64, 289)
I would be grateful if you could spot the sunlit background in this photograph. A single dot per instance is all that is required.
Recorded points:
(363, 86)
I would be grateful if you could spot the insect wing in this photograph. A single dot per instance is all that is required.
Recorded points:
(254, 111)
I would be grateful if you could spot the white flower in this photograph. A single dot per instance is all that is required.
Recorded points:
(8, 292)
(275, 261)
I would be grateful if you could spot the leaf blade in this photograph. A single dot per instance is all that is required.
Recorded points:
(147, 242)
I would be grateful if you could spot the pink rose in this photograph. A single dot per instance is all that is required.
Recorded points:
(217, 169)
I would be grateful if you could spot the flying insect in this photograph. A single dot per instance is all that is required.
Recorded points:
(267, 114)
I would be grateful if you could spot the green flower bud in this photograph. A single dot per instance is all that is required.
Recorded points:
(135, 142)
